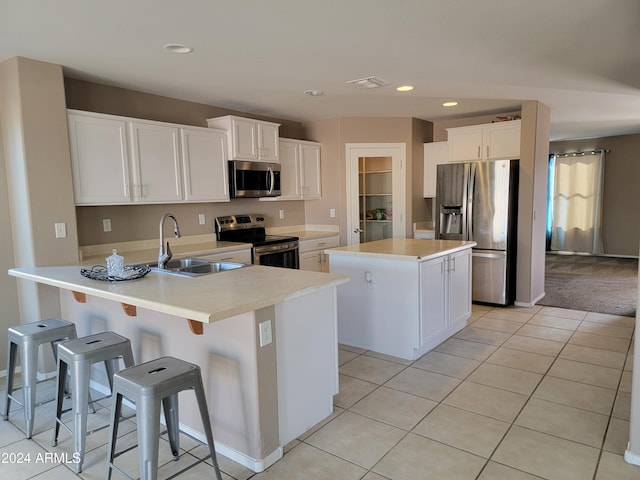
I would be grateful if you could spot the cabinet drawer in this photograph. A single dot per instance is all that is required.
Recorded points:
(238, 256)
(319, 244)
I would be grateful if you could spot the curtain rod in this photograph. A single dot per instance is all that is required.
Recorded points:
(575, 154)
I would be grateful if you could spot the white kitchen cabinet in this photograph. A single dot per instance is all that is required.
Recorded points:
(300, 170)
(122, 160)
(249, 139)
(312, 256)
(156, 164)
(242, 255)
(492, 141)
(445, 295)
(204, 166)
(435, 153)
(99, 159)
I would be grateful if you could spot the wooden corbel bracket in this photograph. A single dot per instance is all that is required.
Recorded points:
(195, 326)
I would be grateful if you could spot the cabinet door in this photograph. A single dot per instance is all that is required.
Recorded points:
(156, 163)
(290, 170)
(204, 165)
(433, 296)
(311, 261)
(311, 186)
(99, 159)
(459, 286)
(244, 139)
(435, 153)
(268, 140)
(503, 140)
(465, 144)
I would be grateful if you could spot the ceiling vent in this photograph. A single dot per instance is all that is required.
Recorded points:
(368, 82)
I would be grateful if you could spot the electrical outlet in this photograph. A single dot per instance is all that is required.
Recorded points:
(201, 219)
(61, 230)
(106, 224)
(332, 212)
(281, 213)
(265, 333)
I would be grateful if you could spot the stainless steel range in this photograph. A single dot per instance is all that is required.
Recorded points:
(271, 250)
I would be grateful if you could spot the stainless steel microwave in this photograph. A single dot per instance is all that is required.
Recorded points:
(254, 179)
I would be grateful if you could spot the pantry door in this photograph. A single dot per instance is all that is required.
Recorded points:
(375, 191)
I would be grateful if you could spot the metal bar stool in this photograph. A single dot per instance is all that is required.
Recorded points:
(148, 385)
(77, 356)
(28, 337)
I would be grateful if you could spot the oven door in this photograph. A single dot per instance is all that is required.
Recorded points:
(278, 255)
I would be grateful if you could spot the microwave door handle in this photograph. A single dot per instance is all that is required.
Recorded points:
(271, 179)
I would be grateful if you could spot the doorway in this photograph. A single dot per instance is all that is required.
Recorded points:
(376, 203)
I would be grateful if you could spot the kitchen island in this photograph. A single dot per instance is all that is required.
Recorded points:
(405, 297)
(264, 337)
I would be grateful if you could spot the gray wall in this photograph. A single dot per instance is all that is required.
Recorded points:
(621, 215)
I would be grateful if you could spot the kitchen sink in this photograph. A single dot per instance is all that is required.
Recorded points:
(194, 267)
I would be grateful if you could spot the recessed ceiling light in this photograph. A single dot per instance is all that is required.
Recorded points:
(313, 93)
(177, 48)
(449, 104)
(404, 88)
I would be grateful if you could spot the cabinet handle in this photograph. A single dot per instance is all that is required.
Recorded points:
(452, 263)
(322, 244)
(478, 151)
(487, 151)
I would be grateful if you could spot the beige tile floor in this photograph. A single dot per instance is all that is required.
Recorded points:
(518, 394)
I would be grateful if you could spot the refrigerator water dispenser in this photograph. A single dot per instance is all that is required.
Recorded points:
(450, 222)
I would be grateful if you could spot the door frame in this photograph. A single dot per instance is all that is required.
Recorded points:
(398, 154)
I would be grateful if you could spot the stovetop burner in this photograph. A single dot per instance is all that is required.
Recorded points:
(247, 229)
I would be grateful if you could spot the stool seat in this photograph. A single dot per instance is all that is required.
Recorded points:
(77, 356)
(28, 337)
(148, 385)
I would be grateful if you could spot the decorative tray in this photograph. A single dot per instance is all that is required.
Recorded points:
(99, 272)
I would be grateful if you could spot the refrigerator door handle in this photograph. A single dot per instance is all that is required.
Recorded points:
(469, 195)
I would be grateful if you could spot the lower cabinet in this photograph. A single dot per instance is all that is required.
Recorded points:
(445, 296)
(312, 256)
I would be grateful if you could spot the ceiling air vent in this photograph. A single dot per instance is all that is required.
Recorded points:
(368, 82)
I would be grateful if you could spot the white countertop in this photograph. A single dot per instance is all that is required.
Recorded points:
(403, 248)
(207, 298)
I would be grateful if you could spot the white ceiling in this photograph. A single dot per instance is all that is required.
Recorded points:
(579, 57)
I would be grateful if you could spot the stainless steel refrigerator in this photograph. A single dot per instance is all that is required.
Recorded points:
(479, 201)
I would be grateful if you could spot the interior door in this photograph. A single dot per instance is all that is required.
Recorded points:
(375, 191)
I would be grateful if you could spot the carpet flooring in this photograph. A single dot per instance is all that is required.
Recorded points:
(591, 283)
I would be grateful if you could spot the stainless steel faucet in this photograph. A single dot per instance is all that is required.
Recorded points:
(165, 253)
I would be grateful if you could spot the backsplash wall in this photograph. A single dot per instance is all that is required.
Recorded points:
(141, 222)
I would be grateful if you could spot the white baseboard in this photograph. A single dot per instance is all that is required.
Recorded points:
(530, 304)
(632, 458)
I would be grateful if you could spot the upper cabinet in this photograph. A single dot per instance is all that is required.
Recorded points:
(300, 177)
(99, 159)
(492, 141)
(120, 160)
(249, 139)
(435, 153)
(155, 163)
(205, 173)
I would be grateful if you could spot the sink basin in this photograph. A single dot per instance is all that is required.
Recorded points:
(185, 263)
(194, 267)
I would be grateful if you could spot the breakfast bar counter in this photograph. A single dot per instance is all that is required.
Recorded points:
(264, 337)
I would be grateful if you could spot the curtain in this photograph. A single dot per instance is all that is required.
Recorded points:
(575, 195)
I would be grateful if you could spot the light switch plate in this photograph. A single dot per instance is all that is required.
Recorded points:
(61, 230)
